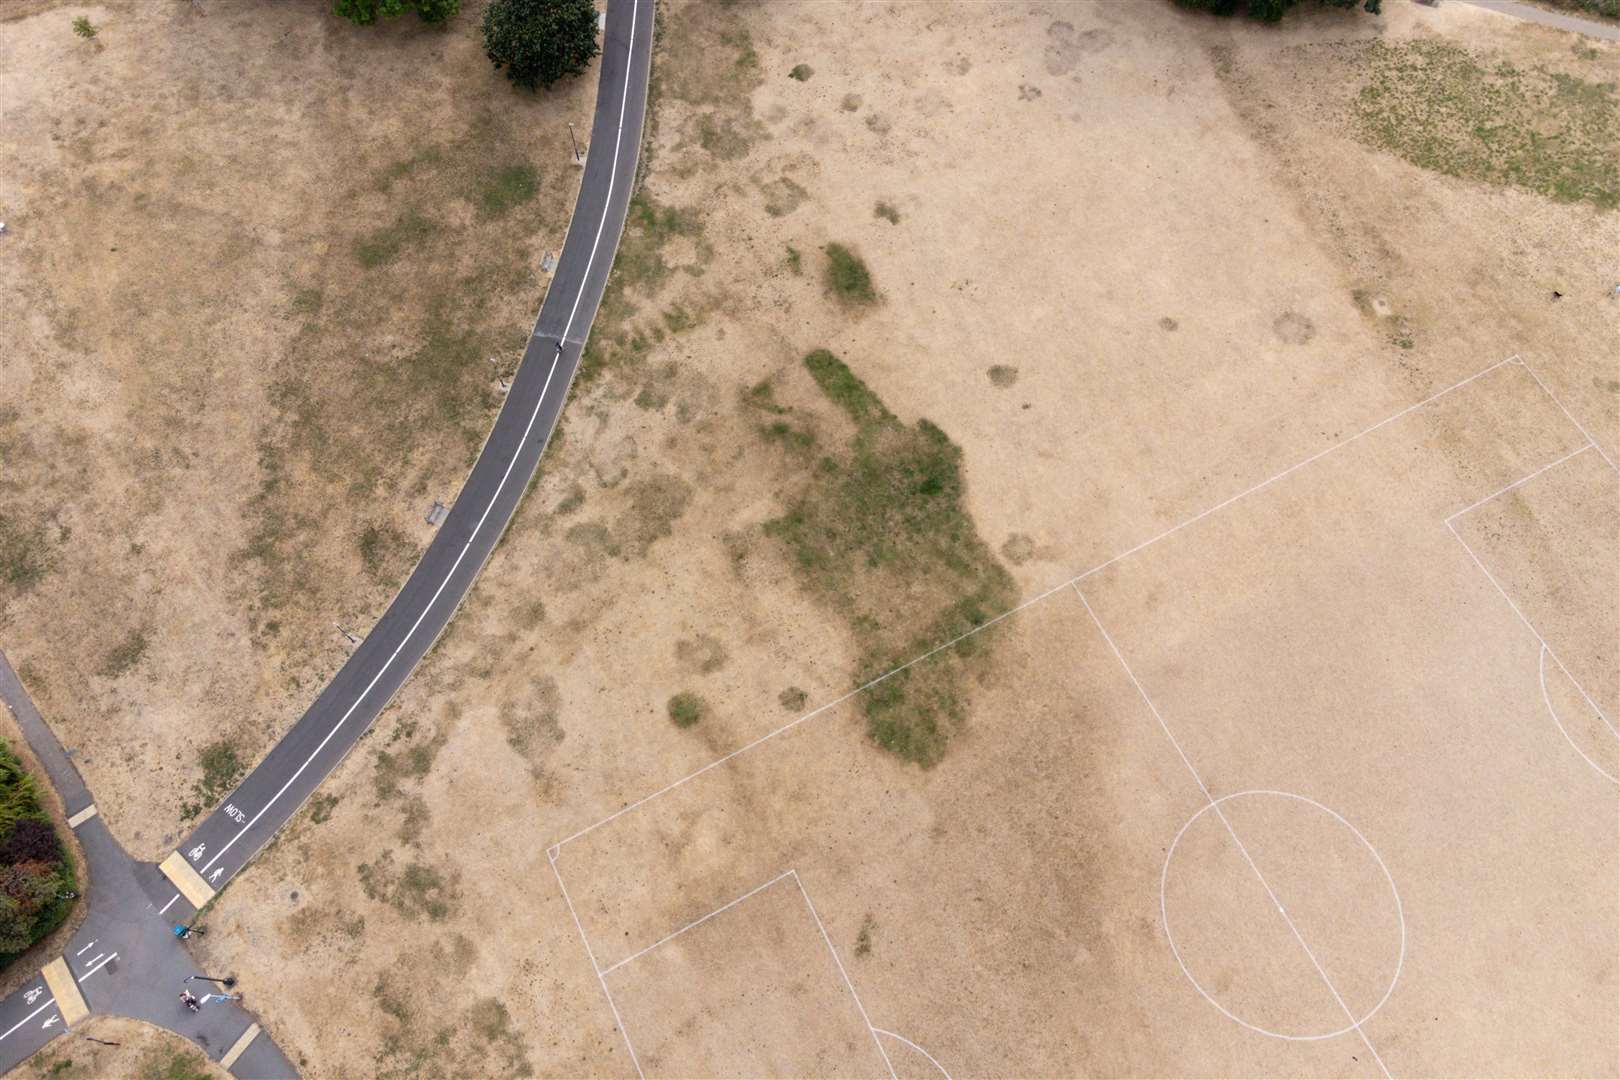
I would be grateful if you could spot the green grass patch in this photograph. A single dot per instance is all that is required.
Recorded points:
(385, 245)
(686, 709)
(1464, 114)
(505, 188)
(25, 554)
(795, 261)
(124, 656)
(847, 277)
(221, 768)
(887, 212)
(801, 72)
(880, 534)
(385, 551)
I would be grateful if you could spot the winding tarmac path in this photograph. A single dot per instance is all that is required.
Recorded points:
(124, 959)
(229, 837)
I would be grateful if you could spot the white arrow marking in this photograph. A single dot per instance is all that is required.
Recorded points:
(51, 1021)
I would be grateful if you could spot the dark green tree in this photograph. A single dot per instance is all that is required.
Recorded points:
(540, 41)
(366, 12)
(1271, 10)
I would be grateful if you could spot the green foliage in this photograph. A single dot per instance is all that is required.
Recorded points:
(35, 869)
(84, 27)
(126, 654)
(367, 12)
(795, 261)
(24, 555)
(881, 536)
(1271, 10)
(686, 709)
(509, 187)
(801, 72)
(887, 212)
(538, 42)
(847, 277)
(384, 245)
(221, 769)
(1603, 9)
(1442, 107)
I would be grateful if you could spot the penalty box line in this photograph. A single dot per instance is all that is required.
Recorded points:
(556, 848)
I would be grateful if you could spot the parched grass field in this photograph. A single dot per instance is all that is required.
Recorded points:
(922, 314)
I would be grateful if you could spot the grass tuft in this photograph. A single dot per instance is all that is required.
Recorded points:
(847, 277)
(686, 709)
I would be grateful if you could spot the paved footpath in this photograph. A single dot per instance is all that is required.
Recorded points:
(125, 959)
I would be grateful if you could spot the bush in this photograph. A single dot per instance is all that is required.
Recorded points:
(366, 12)
(30, 840)
(686, 709)
(34, 868)
(538, 42)
(847, 276)
(1270, 10)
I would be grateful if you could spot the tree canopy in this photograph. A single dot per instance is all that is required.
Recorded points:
(366, 12)
(538, 42)
(1271, 10)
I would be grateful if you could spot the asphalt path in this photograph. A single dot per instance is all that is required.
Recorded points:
(229, 837)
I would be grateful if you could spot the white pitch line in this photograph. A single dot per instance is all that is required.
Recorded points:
(1541, 666)
(1223, 504)
(837, 960)
(1214, 804)
(30, 1016)
(1520, 482)
(920, 1050)
(590, 954)
(1595, 445)
(87, 948)
(590, 261)
(666, 789)
(695, 922)
(98, 967)
(1528, 625)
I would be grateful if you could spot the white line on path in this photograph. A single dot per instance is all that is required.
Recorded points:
(170, 904)
(30, 1016)
(591, 955)
(1215, 805)
(86, 949)
(1027, 603)
(590, 260)
(98, 967)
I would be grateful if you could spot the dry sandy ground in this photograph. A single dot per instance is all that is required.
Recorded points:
(1191, 282)
(143, 1052)
(258, 259)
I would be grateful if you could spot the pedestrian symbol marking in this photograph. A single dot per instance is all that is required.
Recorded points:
(218, 870)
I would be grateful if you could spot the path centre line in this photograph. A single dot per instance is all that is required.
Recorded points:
(1214, 804)
(590, 954)
(1027, 603)
(590, 261)
(839, 961)
(1520, 481)
(98, 967)
(1578, 426)
(1528, 625)
(49, 1002)
(696, 922)
(170, 904)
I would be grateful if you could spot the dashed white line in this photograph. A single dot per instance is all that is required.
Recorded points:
(590, 261)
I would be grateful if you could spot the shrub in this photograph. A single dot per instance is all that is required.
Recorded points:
(801, 72)
(366, 12)
(84, 27)
(847, 276)
(538, 42)
(30, 840)
(686, 709)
